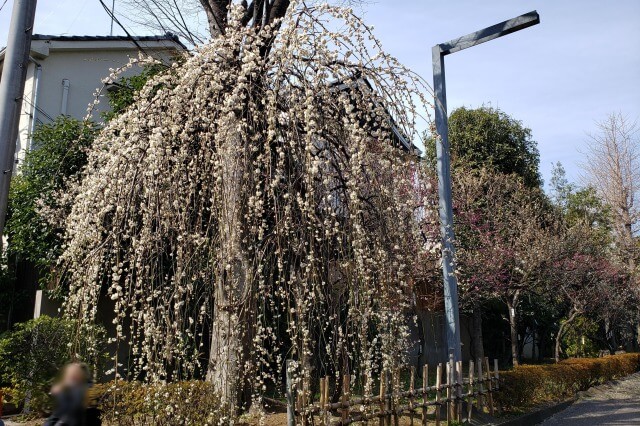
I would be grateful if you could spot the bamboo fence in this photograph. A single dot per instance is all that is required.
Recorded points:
(451, 395)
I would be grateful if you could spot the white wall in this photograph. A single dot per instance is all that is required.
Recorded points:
(84, 69)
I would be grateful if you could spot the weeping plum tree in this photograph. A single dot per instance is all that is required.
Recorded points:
(253, 204)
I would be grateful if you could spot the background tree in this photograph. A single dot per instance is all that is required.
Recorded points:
(122, 93)
(488, 138)
(583, 276)
(484, 139)
(506, 231)
(561, 188)
(612, 168)
(591, 272)
(581, 206)
(185, 18)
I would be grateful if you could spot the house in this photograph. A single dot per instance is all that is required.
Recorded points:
(63, 74)
(65, 71)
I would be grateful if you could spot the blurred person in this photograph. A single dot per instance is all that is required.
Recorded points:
(70, 393)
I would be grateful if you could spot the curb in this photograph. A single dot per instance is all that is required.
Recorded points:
(537, 417)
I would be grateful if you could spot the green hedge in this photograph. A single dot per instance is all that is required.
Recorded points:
(134, 403)
(529, 385)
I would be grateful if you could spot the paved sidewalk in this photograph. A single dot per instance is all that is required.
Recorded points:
(616, 403)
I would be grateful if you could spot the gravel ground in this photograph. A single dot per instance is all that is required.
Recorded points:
(616, 403)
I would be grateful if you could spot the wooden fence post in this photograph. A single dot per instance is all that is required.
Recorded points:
(327, 414)
(388, 396)
(395, 395)
(382, 397)
(459, 389)
(449, 393)
(291, 420)
(496, 374)
(481, 397)
(346, 379)
(470, 392)
(438, 384)
(366, 397)
(425, 397)
(489, 387)
(412, 389)
(304, 400)
(322, 402)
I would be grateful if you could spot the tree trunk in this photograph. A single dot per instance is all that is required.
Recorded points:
(476, 335)
(556, 351)
(561, 331)
(541, 335)
(637, 336)
(513, 325)
(422, 339)
(232, 324)
(534, 346)
(610, 336)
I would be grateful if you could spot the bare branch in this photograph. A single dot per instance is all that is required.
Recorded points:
(612, 167)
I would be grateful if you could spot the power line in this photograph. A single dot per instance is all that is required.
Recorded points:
(37, 108)
(4, 4)
(117, 21)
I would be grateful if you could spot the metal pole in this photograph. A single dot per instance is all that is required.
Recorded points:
(443, 159)
(113, 9)
(14, 73)
(446, 207)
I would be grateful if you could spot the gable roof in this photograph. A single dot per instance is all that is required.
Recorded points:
(63, 42)
(167, 37)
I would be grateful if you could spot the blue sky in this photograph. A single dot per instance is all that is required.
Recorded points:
(559, 77)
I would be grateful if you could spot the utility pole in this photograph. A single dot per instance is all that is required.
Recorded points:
(439, 51)
(14, 73)
(113, 9)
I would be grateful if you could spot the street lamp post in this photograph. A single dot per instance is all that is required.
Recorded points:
(439, 51)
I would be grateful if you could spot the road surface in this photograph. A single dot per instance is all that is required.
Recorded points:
(616, 403)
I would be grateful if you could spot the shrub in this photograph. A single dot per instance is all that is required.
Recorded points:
(59, 152)
(575, 341)
(528, 385)
(135, 403)
(32, 354)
